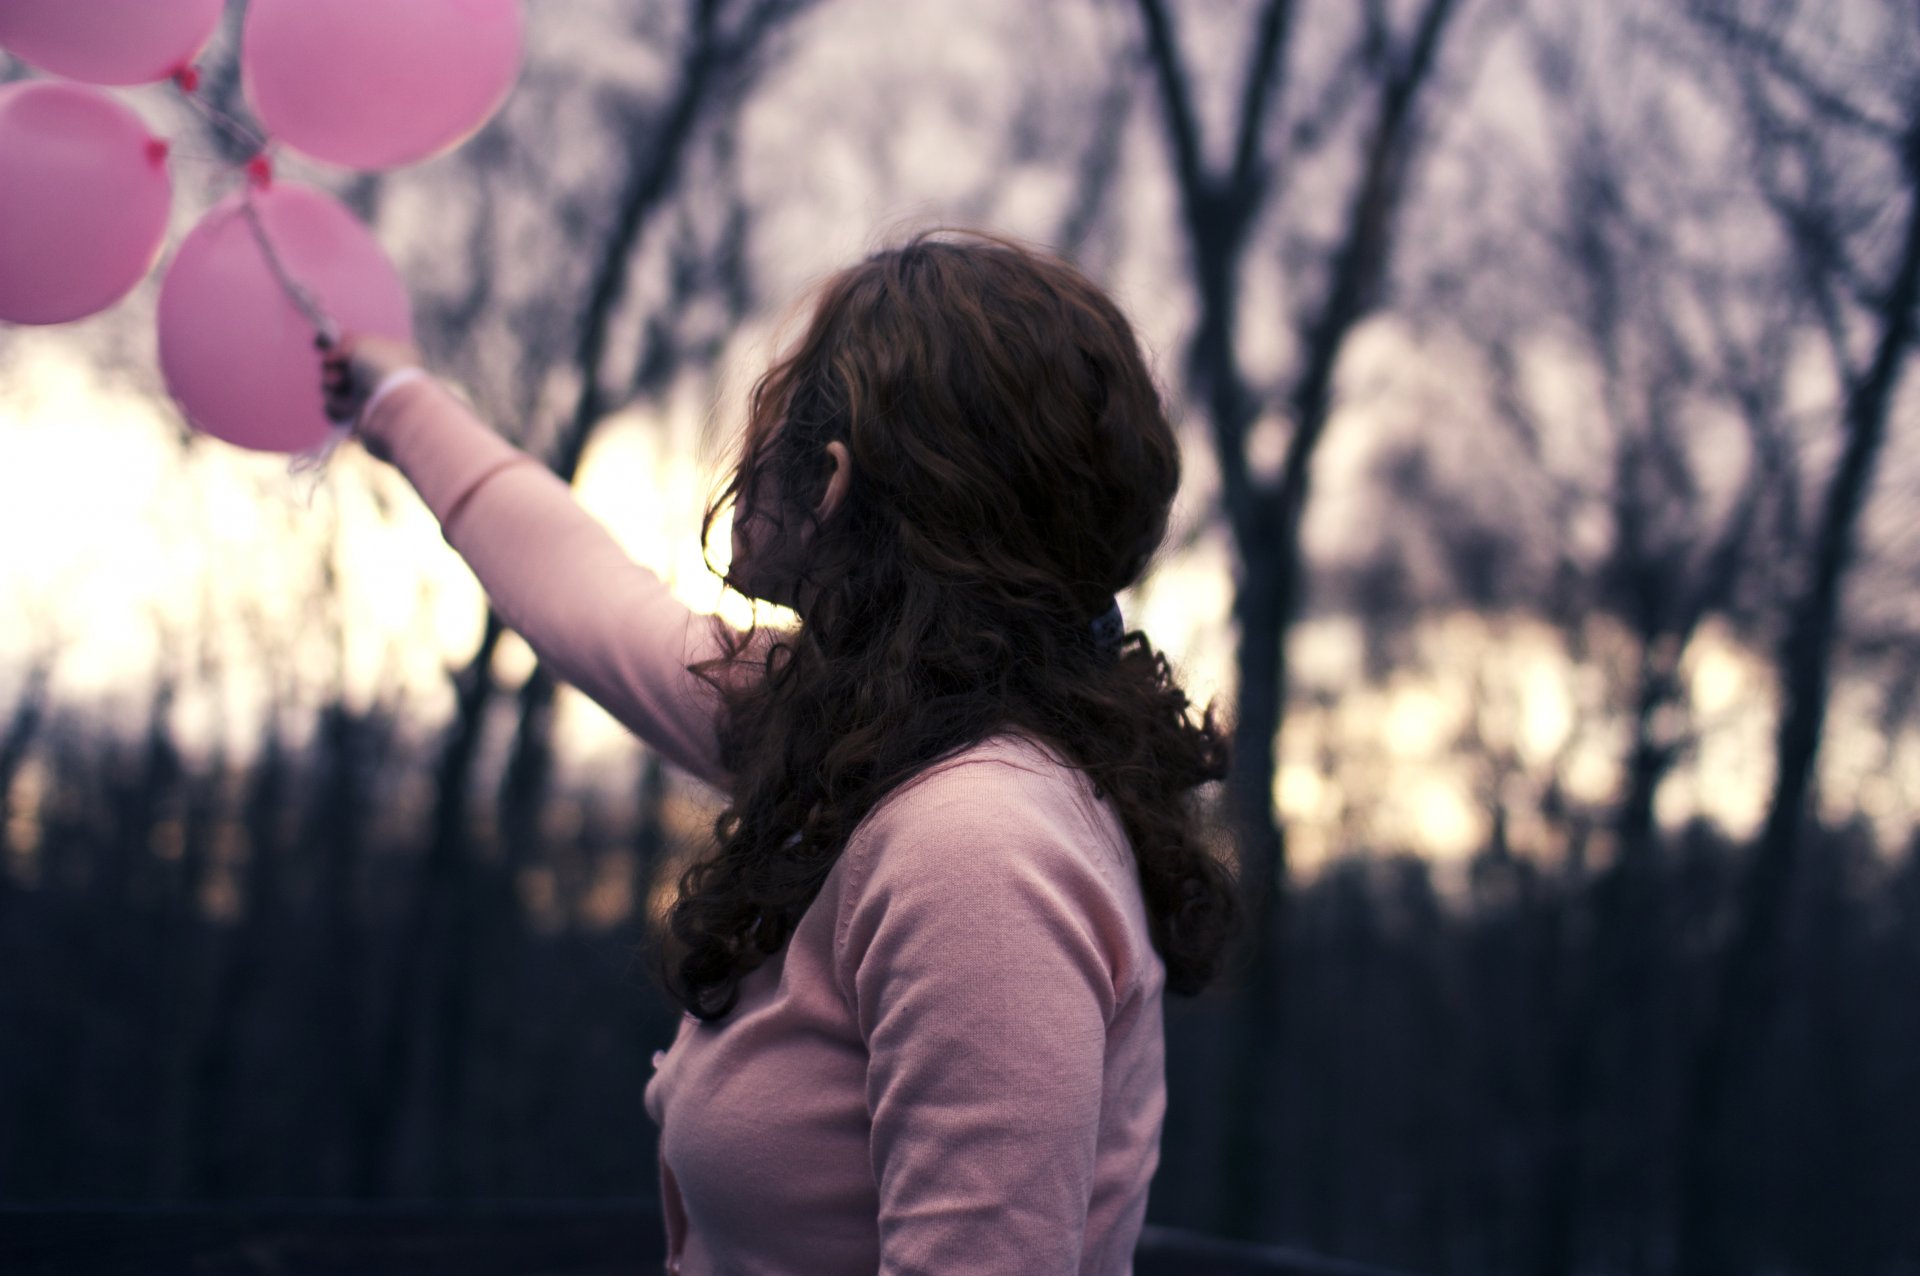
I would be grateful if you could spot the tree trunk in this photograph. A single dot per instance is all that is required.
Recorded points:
(1261, 846)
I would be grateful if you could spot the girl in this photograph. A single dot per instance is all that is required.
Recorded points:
(922, 964)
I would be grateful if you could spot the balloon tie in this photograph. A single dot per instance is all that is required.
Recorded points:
(187, 76)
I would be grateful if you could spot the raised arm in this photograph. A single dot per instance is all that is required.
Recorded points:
(596, 618)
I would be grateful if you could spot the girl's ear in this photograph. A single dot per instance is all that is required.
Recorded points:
(837, 481)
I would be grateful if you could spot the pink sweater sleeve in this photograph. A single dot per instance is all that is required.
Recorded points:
(979, 952)
(597, 619)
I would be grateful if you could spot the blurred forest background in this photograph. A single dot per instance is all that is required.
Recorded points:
(1549, 530)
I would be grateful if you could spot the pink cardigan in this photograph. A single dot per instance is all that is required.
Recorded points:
(955, 1065)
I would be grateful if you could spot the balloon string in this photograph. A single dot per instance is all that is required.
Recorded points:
(189, 89)
(312, 462)
(259, 172)
(323, 324)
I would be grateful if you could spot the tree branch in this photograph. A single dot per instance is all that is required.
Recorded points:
(1774, 58)
(1263, 79)
(1362, 256)
(1183, 130)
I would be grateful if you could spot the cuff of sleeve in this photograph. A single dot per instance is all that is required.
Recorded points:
(433, 438)
(388, 384)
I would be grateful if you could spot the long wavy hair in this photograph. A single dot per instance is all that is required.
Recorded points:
(1012, 468)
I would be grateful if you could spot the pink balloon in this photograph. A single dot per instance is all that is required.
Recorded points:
(84, 195)
(378, 83)
(108, 41)
(237, 353)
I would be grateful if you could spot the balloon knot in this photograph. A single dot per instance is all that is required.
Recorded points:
(157, 150)
(187, 76)
(260, 171)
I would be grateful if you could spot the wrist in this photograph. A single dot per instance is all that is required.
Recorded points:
(389, 383)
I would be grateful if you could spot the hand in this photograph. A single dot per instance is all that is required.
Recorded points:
(354, 365)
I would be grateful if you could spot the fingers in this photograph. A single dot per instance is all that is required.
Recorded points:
(351, 366)
(336, 360)
(340, 395)
(336, 372)
(340, 403)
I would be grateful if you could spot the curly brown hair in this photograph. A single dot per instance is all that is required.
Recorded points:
(1012, 468)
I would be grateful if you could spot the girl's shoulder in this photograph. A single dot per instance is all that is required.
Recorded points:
(1008, 796)
(1003, 829)
(1007, 771)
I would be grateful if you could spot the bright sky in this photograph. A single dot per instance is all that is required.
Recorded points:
(124, 539)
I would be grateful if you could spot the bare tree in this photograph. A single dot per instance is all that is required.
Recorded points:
(1837, 160)
(1368, 113)
(1648, 510)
